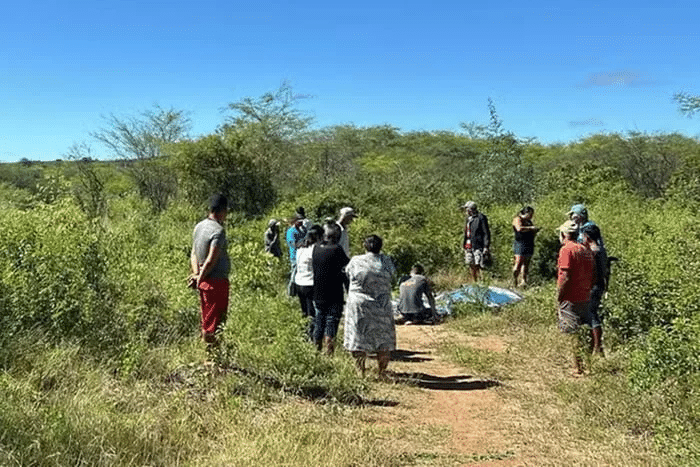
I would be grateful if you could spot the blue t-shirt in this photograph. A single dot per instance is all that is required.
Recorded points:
(294, 236)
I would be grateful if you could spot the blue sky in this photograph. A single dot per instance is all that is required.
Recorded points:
(557, 73)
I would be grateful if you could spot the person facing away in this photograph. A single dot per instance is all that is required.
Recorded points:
(369, 318)
(347, 215)
(272, 239)
(210, 266)
(575, 270)
(591, 237)
(524, 232)
(412, 295)
(328, 261)
(304, 277)
(477, 238)
(295, 234)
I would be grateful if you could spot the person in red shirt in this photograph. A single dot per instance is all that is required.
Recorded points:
(575, 273)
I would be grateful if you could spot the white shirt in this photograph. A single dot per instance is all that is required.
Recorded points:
(305, 271)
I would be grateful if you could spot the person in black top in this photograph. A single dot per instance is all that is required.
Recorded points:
(524, 243)
(328, 260)
(477, 239)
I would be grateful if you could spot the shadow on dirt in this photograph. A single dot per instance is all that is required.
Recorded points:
(442, 383)
(400, 355)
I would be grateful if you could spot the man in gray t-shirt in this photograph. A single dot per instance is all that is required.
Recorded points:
(210, 267)
(411, 304)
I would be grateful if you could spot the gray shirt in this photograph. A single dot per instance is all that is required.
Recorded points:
(210, 233)
(412, 292)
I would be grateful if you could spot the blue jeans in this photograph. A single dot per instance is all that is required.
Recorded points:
(327, 319)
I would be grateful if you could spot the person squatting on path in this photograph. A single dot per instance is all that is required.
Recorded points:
(575, 266)
(328, 260)
(477, 238)
(524, 243)
(210, 268)
(411, 298)
(304, 277)
(369, 317)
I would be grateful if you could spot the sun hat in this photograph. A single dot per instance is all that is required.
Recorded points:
(568, 227)
(347, 212)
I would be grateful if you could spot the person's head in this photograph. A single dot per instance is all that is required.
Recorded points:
(347, 215)
(272, 224)
(578, 213)
(313, 235)
(301, 211)
(418, 269)
(373, 244)
(527, 212)
(569, 230)
(591, 233)
(331, 233)
(218, 207)
(296, 220)
(470, 208)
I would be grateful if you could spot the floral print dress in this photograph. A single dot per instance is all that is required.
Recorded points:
(369, 318)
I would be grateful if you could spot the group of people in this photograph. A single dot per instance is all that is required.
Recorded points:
(323, 272)
(583, 272)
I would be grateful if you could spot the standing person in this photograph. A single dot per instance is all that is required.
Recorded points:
(210, 267)
(591, 238)
(524, 243)
(347, 215)
(328, 260)
(579, 214)
(574, 282)
(295, 234)
(412, 291)
(304, 277)
(477, 238)
(369, 318)
(272, 239)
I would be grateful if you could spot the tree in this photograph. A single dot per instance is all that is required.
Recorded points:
(215, 164)
(275, 113)
(500, 173)
(140, 142)
(688, 104)
(89, 193)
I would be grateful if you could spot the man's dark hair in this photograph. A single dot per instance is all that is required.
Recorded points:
(418, 269)
(526, 210)
(314, 234)
(373, 243)
(592, 231)
(218, 203)
(331, 233)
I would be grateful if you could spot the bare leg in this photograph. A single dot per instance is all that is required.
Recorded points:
(526, 269)
(597, 338)
(360, 359)
(475, 272)
(383, 358)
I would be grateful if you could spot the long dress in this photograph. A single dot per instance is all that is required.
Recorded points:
(369, 319)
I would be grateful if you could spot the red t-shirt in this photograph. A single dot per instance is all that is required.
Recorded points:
(578, 262)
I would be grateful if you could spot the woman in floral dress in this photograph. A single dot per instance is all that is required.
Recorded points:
(369, 319)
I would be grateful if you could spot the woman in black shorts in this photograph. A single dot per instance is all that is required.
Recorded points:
(524, 243)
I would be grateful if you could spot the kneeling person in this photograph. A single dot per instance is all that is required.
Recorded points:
(411, 304)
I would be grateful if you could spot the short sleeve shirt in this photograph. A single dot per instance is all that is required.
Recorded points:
(576, 260)
(210, 233)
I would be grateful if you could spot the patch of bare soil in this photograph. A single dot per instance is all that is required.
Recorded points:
(433, 394)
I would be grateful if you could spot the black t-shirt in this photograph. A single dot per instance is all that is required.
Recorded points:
(328, 263)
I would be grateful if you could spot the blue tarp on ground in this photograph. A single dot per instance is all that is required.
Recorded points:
(490, 296)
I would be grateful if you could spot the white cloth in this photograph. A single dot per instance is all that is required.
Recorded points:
(305, 271)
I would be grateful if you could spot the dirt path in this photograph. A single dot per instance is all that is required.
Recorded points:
(474, 422)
